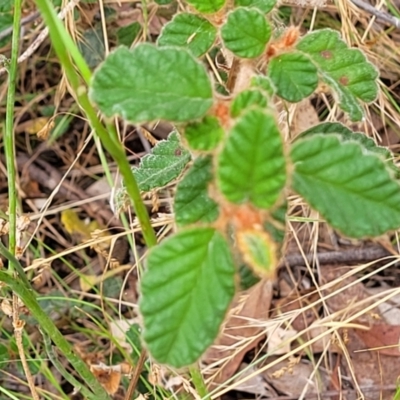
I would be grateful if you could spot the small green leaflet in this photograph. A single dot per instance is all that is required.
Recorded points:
(346, 70)
(246, 32)
(252, 166)
(258, 251)
(132, 83)
(263, 5)
(353, 190)
(192, 202)
(247, 99)
(205, 134)
(263, 83)
(190, 31)
(293, 75)
(207, 6)
(186, 292)
(127, 34)
(92, 46)
(165, 163)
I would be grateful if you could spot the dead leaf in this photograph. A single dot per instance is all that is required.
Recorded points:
(383, 337)
(240, 333)
(347, 299)
(304, 118)
(374, 372)
(280, 340)
(294, 376)
(109, 377)
(32, 126)
(254, 385)
(118, 330)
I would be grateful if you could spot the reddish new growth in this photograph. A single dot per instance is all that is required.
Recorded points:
(244, 217)
(285, 42)
(221, 111)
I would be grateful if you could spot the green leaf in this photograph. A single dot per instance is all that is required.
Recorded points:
(207, 6)
(92, 46)
(163, 2)
(133, 337)
(4, 354)
(347, 134)
(204, 135)
(165, 163)
(276, 225)
(293, 75)
(353, 190)
(190, 31)
(263, 5)
(258, 251)
(252, 165)
(111, 288)
(246, 32)
(6, 21)
(192, 202)
(263, 83)
(6, 6)
(127, 34)
(186, 291)
(149, 83)
(346, 70)
(247, 99)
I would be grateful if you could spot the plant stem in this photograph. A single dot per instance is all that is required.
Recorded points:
(64, 46)
(198, 381)
(47, 325)
(9, 131)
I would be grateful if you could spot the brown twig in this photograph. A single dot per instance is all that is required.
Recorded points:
(347, 256)
(136, 375)
(18, 328)
(380, 15)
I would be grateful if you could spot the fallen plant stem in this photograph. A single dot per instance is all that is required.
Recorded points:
(363, 254)
(18, 329)
(380, 15)
(136, 375)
